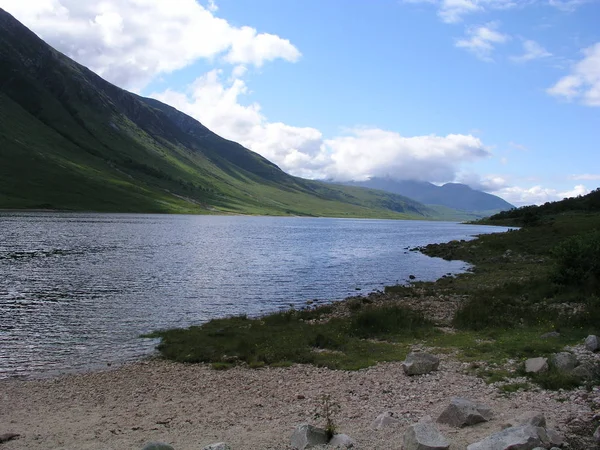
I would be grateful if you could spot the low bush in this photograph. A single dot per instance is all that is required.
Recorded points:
(578, 261)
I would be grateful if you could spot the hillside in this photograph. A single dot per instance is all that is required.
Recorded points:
(71, 140)
(534, 215)
(451, 195)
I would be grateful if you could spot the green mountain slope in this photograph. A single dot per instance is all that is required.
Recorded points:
(71, 140)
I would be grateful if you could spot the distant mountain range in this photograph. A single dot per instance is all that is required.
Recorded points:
(451, 195)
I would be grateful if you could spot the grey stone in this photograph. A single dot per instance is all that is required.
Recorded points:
(564, 361)
(556, 439)
(551, 334)
(157, 446)
(385, 419)
(420, 363)
(342, 441)
(535, 418)
(424, 435)
(462, 412)
(584, 371)
(592, 343)
(8, 437)
(597, 434)
(307, 436)
(536, 365)
(218, 446)
(524, 437)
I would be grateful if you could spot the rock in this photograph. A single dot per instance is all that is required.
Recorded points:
(218, 446)
(462, 412)
(385, 419)
(420, 363)
(157, 446)
(307, 436)
(564, 361)
(584, 371)
(551, 334)
(536, 365)
(8, 437)
(592, 343)
(555, 438)
(342, 441)
(424, 435)
(524, 437)
(597, 434)
(537, 419)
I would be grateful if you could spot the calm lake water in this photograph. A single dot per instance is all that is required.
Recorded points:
(77, 290)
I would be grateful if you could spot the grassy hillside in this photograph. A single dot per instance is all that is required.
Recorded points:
(70, 140)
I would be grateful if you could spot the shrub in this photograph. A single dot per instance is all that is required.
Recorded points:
(578, 261)
(379, 323)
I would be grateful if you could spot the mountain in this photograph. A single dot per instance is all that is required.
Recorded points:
(451, 195)
(71, 140)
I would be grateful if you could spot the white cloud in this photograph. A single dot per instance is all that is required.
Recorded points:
(531, 50)
(537, 195)
(481, 40)
(453, 11)
(586, 177)
(212, 6)
(303, 151)
(567, 5)
(583, 83)
(130, 42)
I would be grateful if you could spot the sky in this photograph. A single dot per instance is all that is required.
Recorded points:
(503, 95)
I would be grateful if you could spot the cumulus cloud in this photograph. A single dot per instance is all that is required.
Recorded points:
(531, 50)
(357, 154)
(129, 42)
(481, 40)
(583, 83)
(537, 195)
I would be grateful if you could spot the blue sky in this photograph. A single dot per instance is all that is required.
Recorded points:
(501, 94)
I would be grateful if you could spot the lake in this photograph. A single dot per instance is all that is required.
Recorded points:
(77, 290)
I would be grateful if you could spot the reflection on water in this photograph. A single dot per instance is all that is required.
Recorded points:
(77, 290)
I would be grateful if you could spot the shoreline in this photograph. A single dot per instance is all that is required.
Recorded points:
(190, 406)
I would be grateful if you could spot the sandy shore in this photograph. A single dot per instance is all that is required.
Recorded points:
(190, 406)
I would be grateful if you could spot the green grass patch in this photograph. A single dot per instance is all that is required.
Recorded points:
(286, 337)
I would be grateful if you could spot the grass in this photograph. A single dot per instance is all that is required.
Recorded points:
(294, 336)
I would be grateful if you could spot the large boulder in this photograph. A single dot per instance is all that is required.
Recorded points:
(385, 419)
(592, 343)
(597, 435)
(536, 365)
(424, 435)
(564, 361)
(418, 363)
(462, 412)
(342, 441)
(307, 436)
(157, 446)
(524, 437)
